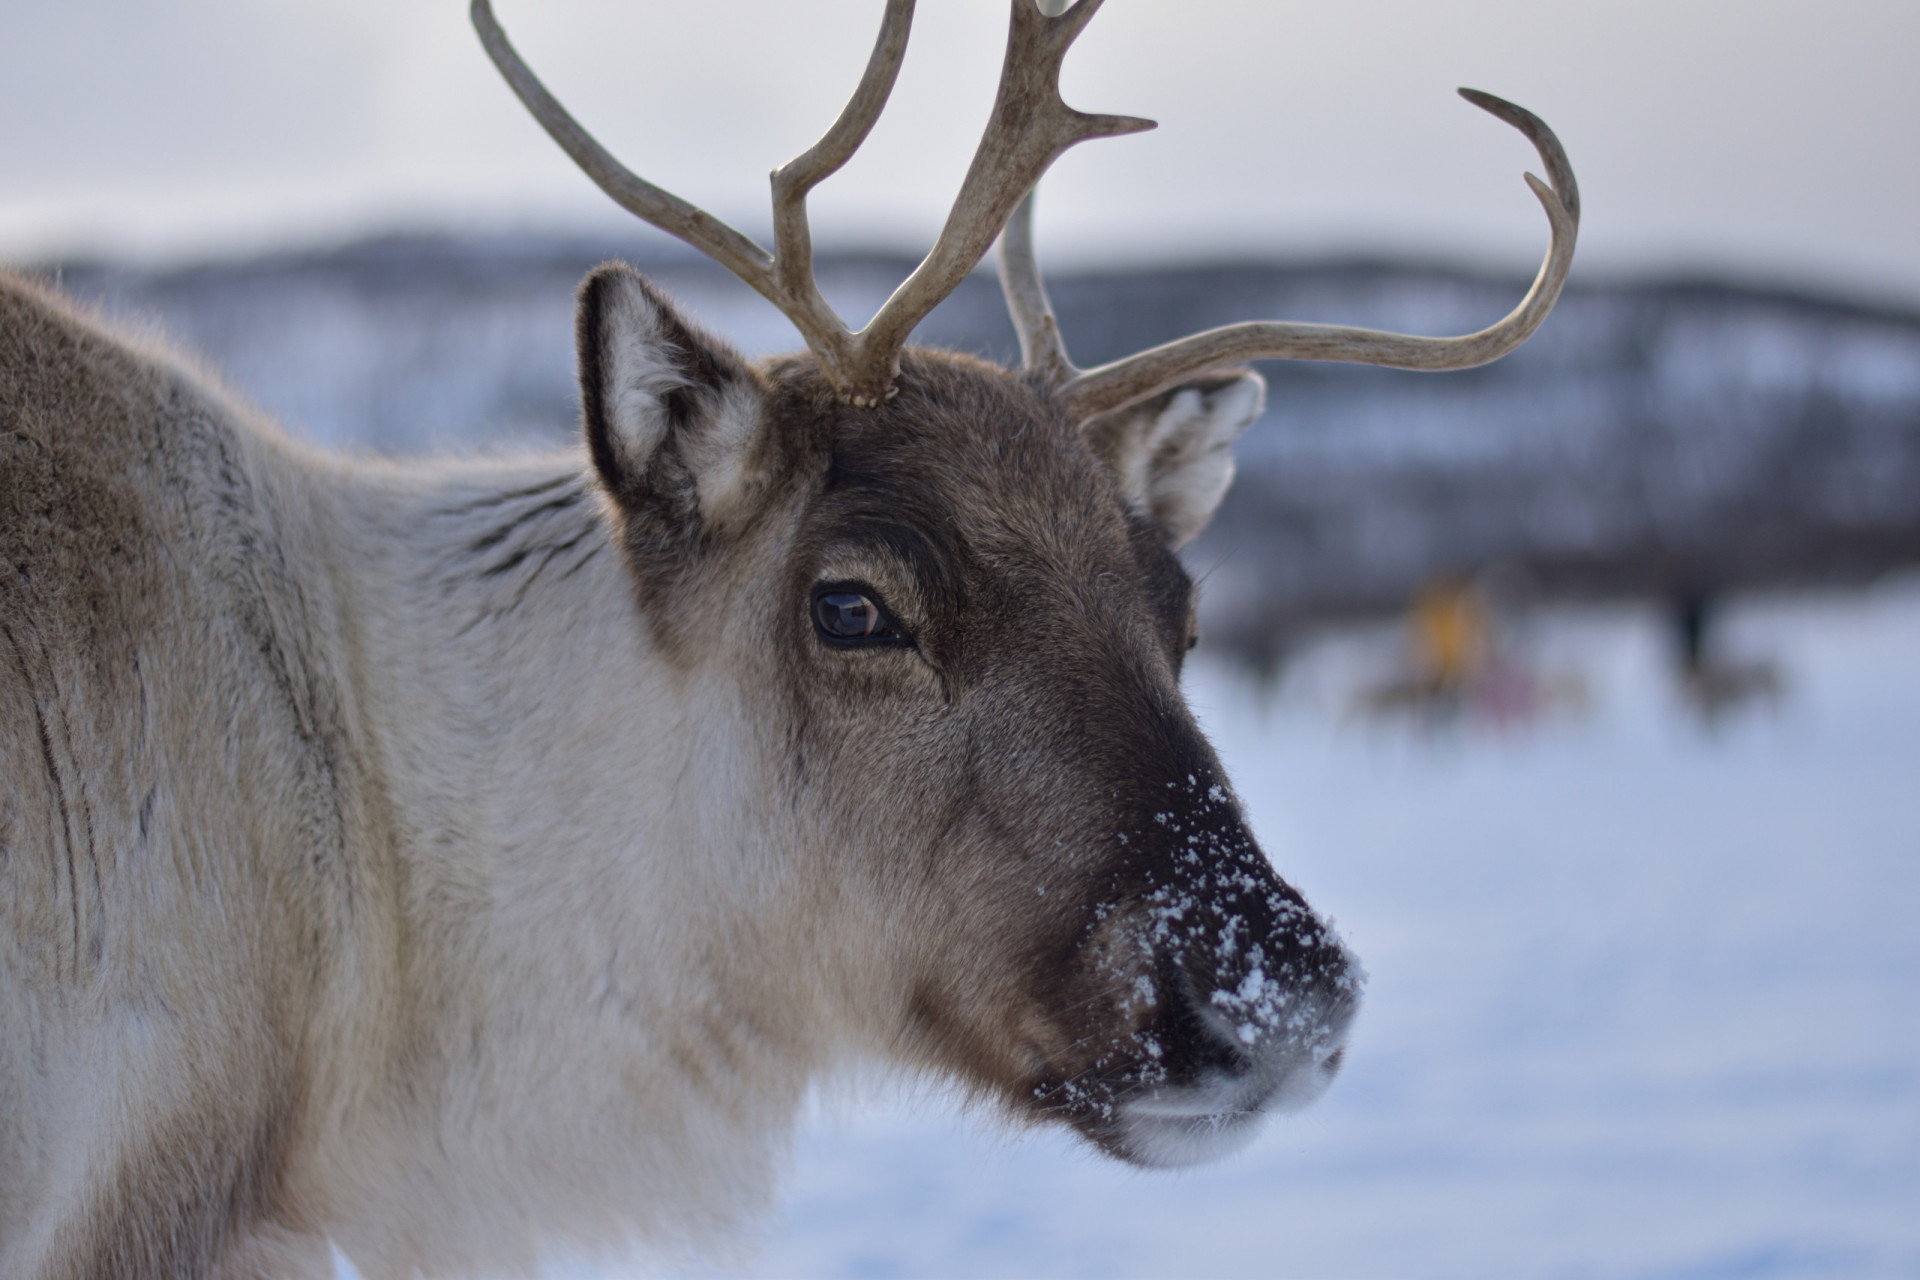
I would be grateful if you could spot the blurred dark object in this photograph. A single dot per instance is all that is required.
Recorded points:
(1713, 682)
(1653, 440)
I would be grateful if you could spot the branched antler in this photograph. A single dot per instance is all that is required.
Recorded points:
(1088, 393)
(1029, 127)
(1028, 130)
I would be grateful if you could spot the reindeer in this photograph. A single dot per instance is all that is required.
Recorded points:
(449, 860)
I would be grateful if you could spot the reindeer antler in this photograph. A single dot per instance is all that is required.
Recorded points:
(1029, 128)
(1091, 392)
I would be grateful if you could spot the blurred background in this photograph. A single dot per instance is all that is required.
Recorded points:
(1583, 690)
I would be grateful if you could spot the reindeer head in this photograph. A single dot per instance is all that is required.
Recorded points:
(950, 595)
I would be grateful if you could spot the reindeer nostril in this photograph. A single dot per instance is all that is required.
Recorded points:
(1332, 1065)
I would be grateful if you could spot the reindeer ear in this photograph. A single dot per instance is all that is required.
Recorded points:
(672, 414)
(1173, 454)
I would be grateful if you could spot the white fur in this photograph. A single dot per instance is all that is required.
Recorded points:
(527, 1014)
(1174, 458)
(581, 835)
(721, 457)
(640, 373)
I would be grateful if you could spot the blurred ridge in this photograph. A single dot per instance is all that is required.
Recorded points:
(1655, 440)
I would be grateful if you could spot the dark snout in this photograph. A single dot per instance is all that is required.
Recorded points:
(1254, 996)
(1240, 995)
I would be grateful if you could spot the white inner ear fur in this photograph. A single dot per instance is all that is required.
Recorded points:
(640, 373)
(718, 454)
(1175, 464)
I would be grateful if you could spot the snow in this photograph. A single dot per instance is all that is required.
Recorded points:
(1643, 1001)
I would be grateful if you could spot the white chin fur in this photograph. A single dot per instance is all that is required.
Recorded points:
(1172, 1142)
(1199, 1123)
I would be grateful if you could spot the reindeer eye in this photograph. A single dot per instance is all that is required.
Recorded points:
(846, 615)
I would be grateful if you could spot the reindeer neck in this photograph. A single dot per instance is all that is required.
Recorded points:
(565, 851)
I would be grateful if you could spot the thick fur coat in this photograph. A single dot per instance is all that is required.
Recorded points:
(450, 860)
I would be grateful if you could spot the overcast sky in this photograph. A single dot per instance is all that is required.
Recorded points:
(1767, 138)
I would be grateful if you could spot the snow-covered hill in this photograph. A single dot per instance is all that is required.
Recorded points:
(1651, 440)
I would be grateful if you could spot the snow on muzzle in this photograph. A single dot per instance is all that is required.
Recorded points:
(1228, 997)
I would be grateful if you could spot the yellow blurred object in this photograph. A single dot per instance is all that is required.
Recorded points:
(1452, 634)
(1458, 664)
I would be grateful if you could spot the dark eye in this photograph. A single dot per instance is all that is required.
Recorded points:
(847, 615)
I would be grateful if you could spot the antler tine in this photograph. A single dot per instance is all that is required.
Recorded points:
(794, 180)
(1112, 386)
(630, 191)
(1043, 352)
(1029, 128)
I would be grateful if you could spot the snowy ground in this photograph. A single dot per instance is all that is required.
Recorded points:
(1644, 1001)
